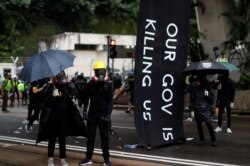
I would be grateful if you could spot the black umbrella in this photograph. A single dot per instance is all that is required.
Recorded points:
(46, 64)
(205, 67)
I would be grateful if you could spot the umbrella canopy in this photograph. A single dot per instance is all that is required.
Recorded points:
(19, 69)
(231, 67)
(205, 67)
(46, 64)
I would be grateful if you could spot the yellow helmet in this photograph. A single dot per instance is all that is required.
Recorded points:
(99, 65)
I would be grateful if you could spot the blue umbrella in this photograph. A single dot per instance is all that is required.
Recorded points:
(46, 64)
(231, 67)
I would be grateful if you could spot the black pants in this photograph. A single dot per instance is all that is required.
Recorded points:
(31, 107)
(62, 147)
(104, 129)
(37, 110)
(209, 127)
(56, 129)
(220, 113)
(5, 100)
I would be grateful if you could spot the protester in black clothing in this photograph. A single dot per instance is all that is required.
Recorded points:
(131, 91)
(99, 92)
(37, 92)
(189, 89)
(202, 100)
(56, 118)
(117, 81)
(225, 100)
(32, 103)
(80, 84)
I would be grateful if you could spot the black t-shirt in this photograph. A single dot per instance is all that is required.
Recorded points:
(101, 97)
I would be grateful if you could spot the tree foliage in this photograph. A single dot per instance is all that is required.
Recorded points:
(24, 22)
(239, 17)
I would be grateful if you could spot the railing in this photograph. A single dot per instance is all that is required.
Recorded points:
(241, 101)
(237, 55)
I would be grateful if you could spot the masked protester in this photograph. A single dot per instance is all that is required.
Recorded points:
(37, 97)
(59, 118)
(225, 100)
(202, 99)
(100, 95)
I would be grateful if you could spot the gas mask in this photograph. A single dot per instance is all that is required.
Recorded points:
(100, 75)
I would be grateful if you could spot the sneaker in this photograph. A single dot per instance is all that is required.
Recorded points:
(86, 161)
(214, 119)
(64, 163)
(25, 121)
(189, 119)
(28, 128)
(107, 163)
(218, 129)
(229, 131)
(51, 162)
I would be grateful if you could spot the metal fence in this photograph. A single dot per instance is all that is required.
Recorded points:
(241, 101)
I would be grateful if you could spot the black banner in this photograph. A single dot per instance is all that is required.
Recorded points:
(161, 55)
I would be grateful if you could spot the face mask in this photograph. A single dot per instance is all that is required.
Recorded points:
(100, 74)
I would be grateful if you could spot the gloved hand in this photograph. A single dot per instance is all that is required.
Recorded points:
(106, 121)
(107, 118)
(232, 105)
(206, 93)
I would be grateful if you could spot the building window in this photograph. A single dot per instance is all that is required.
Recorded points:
(85, 47)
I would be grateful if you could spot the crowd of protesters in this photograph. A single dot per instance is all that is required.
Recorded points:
(57, 103)
(203, 103)
(50, 99)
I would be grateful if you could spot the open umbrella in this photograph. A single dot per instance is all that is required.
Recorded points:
(205, 67)
(46, 64)
(19, 69)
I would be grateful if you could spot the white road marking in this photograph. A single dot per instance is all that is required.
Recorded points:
(150, 158)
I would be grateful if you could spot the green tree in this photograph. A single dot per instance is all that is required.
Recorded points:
(24, 22)
(239, 17)
(117, 16)
(12, 18)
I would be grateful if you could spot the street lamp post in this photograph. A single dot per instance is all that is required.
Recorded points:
(108, 52)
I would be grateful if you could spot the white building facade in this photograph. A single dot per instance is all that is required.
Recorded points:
(7, 68)
(89, 48)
